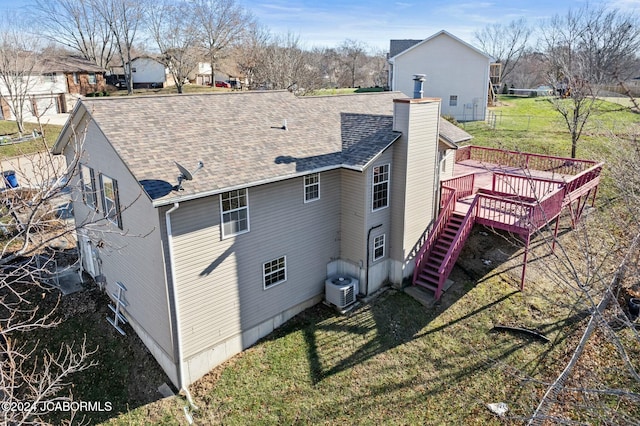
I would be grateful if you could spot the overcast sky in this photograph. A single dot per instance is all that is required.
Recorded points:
(375, 22)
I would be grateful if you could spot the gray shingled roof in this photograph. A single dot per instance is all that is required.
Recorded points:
(398, 46)
(239, 136)
(452, 133)
(240, 139)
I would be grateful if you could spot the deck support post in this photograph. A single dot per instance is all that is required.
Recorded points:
(524, 262)
(555, 235)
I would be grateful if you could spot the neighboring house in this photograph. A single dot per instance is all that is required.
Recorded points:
(291, 191)
(81, 77)
(456, 72)
(55, 85)
(147, 72)
(202, 75)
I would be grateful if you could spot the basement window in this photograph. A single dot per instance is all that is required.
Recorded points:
(274, 272)
(378, 247)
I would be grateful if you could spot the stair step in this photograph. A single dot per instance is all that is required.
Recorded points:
(432, 264)
(429, 275)
(427, 285)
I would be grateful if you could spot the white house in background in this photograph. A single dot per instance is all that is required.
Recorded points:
(53, 86)
(148, 72)
(311, 188)
(202, 75)
(456, 72)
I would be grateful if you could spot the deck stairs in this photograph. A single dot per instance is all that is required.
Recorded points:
(439, 260)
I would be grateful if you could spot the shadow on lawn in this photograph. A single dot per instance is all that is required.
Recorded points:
(336, 343)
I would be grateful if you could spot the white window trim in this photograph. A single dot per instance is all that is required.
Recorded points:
(305, 186)
(453, 102)
(92, 76)
(264, 275)
(373, 185)
(222, 213)
(94, 189)
(384, 247)
(117, 217)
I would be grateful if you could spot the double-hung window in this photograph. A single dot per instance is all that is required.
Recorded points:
(274, 271)
(311, 187)
(234, 210)
(380, 189)
(92, 78)
(88, 186)
(378, 247)
(110, 201)
(453, 100)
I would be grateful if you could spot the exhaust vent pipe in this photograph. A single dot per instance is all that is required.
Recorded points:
(418, 81)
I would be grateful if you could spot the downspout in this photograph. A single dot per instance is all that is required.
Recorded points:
(366, 274)
(174, 292)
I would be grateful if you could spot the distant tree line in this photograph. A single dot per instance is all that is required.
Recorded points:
(182, 34)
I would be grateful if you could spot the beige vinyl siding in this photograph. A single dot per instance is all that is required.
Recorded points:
(447, 163)
(381, 216)
(414, 175)
(398, 181)
(131, 257)
(422, 169)
(354, 211)
(214, 275)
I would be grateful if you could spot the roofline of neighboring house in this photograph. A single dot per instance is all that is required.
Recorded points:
(445, 32)
(169, 201)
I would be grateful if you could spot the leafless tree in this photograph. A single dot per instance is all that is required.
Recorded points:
(32, 379)
(376, 69)
(352, 54)
(124, 19)
(505, 43)
(221, 24)
(174, 31)
(76, 25)
(19, 72)
(251, 52)
(585, 49)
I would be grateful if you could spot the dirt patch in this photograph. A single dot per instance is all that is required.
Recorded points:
(126, 375)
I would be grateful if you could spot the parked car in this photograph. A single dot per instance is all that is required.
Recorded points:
(223, 84)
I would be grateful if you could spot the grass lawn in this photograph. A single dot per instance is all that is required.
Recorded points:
(394, 361)
(531, 124)
(10, 129)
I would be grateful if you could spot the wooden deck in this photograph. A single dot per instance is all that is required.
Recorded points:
(514, 191)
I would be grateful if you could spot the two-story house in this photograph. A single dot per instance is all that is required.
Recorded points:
(277, 195)
(457, 72)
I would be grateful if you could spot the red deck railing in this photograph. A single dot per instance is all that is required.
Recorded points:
(462, 185)
(518, 203)
(524, 186)
(448, 203)
(456, 247)
(561, 165)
